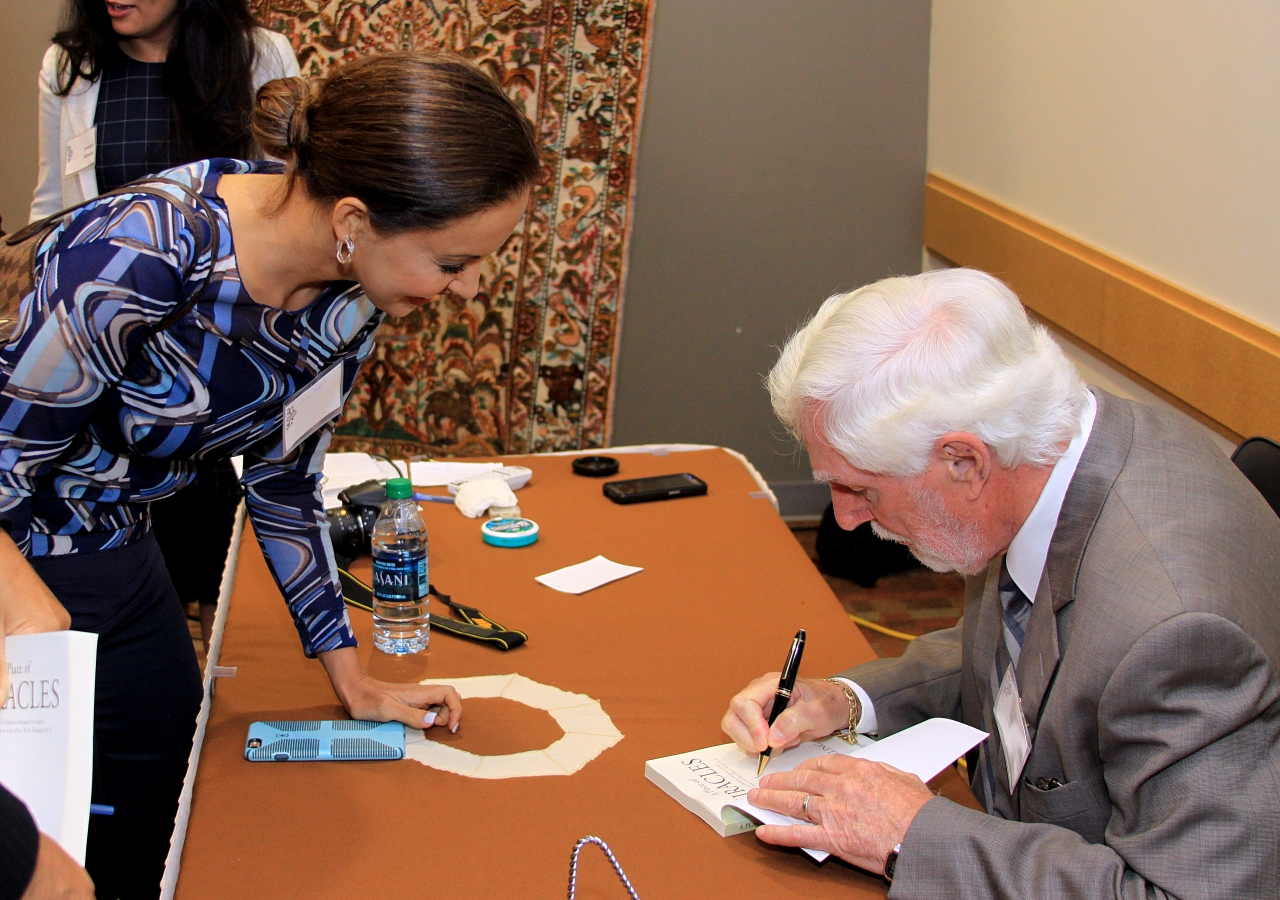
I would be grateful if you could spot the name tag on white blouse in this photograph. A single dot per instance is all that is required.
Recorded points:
(314, 405)
(81, 152)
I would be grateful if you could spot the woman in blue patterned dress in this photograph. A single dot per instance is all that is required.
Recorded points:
(153, 84)
(402, 173)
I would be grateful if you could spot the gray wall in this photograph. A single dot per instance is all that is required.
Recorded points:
(782, 159)
(25, 29)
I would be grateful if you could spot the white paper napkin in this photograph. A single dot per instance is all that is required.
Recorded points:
(584, 576)
(475, 497)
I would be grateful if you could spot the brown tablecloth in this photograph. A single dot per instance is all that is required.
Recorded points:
(724, 588)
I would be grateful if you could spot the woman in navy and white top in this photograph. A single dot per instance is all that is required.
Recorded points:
(402, 173)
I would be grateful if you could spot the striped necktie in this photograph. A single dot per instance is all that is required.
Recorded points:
(1015, 613)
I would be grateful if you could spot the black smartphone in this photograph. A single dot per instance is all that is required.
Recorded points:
(660, 487)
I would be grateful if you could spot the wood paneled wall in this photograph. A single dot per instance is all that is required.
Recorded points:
(1215, 362)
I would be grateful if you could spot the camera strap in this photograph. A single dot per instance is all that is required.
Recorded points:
(471, 624)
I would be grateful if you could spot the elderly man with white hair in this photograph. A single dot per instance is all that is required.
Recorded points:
(1120, 637)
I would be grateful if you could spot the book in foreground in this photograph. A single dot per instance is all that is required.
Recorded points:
(712, 783)
(46, 731)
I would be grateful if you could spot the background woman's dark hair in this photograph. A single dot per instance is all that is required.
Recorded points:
(423, 139)
(208, 74)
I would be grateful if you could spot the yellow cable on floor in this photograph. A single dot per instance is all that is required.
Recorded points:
(902, 636)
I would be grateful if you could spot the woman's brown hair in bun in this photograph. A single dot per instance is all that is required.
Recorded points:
(422, 139)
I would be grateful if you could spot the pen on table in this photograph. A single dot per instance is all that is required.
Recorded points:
(785, 685)
(432, 498)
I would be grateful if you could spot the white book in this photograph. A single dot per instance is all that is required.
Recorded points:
(46, 731)
(712, 783)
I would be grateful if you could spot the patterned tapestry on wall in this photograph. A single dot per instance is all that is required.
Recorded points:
(528, 365)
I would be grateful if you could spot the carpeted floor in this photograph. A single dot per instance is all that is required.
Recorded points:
(914, 602)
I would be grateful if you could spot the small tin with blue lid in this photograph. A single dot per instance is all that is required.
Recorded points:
(509, 532)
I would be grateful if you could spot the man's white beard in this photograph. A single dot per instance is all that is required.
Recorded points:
(951, 544)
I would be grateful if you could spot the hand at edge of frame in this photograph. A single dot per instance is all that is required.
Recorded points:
(57, 876)
(27, 606)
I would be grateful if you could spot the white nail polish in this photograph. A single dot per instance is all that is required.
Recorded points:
(454, 729)
(429, 719)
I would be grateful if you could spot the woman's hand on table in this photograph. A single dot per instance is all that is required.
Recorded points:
(817, 709)
(372, 700)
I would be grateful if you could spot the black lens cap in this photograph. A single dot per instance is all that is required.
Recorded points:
(595, 466)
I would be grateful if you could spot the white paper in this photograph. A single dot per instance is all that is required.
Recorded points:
(573, 751)
(477, 685)
(311, 407)
(344, 470)
(46, 731)
(584, 576)
(537, 695)
(589, 718)
(926, 749)
(529, 764)
(588, 731)
(443, 757)
(719, 777)
(438, 474)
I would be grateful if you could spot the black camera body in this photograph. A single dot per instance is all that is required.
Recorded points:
(351, 524)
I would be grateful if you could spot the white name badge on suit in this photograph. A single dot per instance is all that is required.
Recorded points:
(1015, 738)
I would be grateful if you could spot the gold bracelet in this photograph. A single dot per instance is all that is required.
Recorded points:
(850, 733)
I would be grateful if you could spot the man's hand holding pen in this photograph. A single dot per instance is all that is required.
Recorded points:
(860, 810)
(818, 708)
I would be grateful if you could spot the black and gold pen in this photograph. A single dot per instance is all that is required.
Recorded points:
(786, 684)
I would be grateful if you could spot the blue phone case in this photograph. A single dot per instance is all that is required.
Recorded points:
(308, 741)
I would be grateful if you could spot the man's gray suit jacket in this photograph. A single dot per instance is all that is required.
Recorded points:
(1148, 678)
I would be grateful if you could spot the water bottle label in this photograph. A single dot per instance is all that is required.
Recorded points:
(400, 580)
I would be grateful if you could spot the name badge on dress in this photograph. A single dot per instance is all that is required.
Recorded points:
(81, 152)
(1015, 739)
(317, 403)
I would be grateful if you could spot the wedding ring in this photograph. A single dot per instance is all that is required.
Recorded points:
(804, 807)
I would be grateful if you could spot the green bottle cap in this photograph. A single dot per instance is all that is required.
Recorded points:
(399, 489)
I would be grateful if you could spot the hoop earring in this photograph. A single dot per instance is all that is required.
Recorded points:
(346, 250)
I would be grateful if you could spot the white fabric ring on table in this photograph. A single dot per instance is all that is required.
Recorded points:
(588, 731)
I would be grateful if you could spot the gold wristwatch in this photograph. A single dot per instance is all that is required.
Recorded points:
(850, 732)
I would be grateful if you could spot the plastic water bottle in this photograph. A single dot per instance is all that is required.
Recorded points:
(400, 621)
